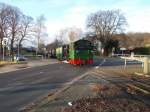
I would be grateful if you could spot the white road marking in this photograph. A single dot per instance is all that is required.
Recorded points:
(104, 60)
(97, 67)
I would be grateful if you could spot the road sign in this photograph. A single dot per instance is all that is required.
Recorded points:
(5, 42)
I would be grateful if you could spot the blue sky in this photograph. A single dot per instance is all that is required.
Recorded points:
(67, 13)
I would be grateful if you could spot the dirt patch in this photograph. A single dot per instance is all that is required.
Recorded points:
(105, 105)
(109, 90)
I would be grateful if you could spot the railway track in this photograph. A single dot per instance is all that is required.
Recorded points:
(134, 88)
(137, 81)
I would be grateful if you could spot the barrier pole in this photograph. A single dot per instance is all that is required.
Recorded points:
(146, 65)
(125, 63)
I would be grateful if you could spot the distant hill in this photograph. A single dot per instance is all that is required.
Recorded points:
(133, 40)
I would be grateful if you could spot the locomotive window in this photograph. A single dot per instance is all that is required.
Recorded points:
(83, 44)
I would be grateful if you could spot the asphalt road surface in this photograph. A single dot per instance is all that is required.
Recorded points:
(20, 88)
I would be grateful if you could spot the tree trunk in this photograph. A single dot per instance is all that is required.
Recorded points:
(106, 51)
(1, 48)
(12, 50)
(20, 46)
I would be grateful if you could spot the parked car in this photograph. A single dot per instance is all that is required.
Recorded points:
(20, 58)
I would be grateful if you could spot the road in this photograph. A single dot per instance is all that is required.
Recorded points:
(22, 87)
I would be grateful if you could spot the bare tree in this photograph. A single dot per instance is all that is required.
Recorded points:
(67, 35)
(3, 23)
(105, 24)
(9, 24)
(25, 31)
(16, 26)
(53, 45)
(14, 22)
(74, 34)
(61, 36)
(40, 30)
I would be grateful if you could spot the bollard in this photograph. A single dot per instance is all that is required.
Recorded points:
(146, 65)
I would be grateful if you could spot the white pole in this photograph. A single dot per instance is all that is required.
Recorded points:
(125, 63)
(3, 52)
(142, 64)
(9, 55)
(146, 67)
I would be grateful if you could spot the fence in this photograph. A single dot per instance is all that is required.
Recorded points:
(145, 59)
(34, 57)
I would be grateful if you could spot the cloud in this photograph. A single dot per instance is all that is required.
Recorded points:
(73, 17)
(137, 15)
(139, 21)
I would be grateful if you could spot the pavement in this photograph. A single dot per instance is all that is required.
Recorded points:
(88, 86)
(27, 64)
(22, 87)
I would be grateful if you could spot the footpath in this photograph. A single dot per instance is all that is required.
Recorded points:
(93, 92)
(27, 64)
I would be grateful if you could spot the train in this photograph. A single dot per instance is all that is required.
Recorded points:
(79, 52)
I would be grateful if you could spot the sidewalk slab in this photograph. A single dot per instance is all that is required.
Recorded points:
(76, 91)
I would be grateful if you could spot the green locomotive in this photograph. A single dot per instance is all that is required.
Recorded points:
(81, 52)
(77, 53)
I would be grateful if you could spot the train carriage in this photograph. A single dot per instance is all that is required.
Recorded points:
(52, 53)
(62, 52)
(59, 53)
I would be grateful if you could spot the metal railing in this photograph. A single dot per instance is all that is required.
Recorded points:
(145, 59)
(34, 56)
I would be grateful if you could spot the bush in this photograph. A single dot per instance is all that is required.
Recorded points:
(142, 50)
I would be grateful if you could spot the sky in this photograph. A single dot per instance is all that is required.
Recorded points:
(62, 14)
